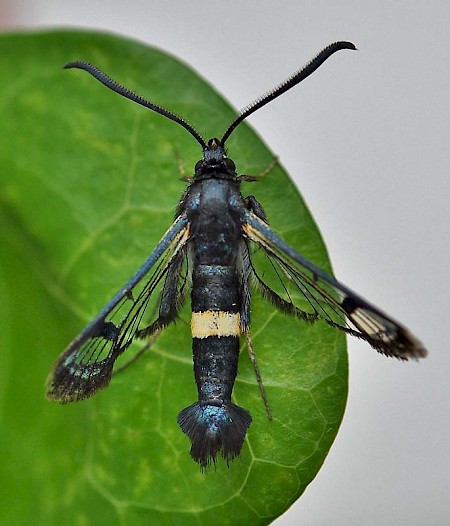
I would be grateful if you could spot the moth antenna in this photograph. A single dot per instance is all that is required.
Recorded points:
(128, 94)
(289, 83)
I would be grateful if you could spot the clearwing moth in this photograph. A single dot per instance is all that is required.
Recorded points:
(208, 250)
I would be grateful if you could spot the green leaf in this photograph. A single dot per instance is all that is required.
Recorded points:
(89, 183)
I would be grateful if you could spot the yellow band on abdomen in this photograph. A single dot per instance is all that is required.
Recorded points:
(215, 323)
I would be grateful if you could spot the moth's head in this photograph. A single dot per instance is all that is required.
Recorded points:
(215, 161)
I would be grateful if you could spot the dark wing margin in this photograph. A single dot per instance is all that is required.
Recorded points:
(87, 363)
(332, 301)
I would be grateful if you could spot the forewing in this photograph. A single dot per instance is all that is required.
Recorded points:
(317, 295)
(87, 363)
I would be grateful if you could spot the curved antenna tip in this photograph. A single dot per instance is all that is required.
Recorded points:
(130, 95)
(74, 64)
(289, 83)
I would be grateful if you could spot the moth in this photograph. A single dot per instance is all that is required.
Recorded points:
(208, 250)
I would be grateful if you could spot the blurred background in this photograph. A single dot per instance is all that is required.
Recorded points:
(375, 175)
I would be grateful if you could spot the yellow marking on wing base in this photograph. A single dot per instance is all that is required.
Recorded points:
(215, 323)
(253, 234)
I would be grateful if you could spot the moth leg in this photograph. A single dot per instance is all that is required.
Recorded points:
(262, 174)
(147, 346)
(268, 168)
(255, 206)
(246, 273)
(252, 356)
(172, 297)
(151, 340)
(150, 334)
(181, 168)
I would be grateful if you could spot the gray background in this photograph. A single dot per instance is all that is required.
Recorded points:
(375, 173)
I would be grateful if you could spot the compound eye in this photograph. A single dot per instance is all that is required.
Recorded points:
(230, 164)
(198, 166)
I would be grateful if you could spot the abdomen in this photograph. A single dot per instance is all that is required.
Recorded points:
(214, 424)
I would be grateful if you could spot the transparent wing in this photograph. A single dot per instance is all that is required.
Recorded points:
(323, 297)
(87, 363)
